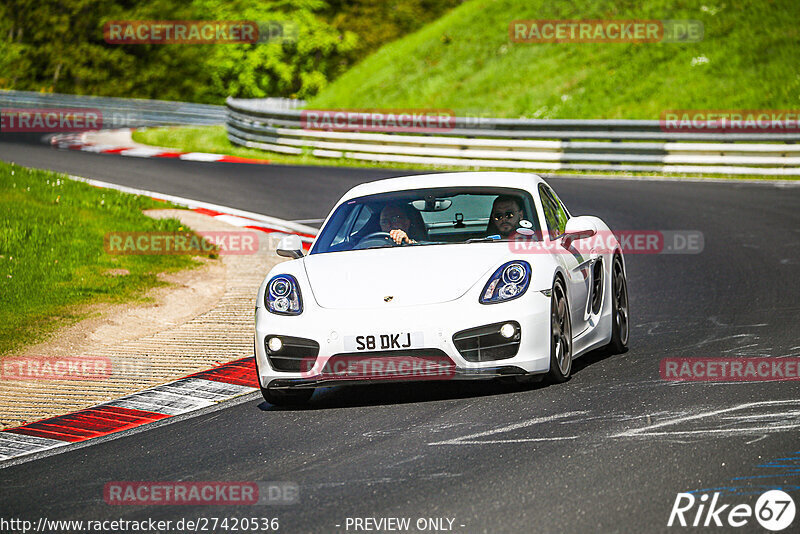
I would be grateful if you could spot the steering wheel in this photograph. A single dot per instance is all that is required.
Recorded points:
(375, 239)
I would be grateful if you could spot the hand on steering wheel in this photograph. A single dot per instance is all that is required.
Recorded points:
(400, 237)
(376, 239)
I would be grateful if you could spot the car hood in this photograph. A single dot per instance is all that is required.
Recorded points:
(411, 275)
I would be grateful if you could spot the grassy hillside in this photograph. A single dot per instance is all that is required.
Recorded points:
(465, 61)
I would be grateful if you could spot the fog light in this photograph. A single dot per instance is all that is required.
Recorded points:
(508, 330)
(275, 344)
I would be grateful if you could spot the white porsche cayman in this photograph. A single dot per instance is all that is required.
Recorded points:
(443, 276)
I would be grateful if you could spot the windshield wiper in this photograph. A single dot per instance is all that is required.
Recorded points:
(374, 247)
(480, 239)
(422, 243)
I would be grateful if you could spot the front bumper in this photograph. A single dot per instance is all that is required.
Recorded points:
(437, 323)
(460, 374)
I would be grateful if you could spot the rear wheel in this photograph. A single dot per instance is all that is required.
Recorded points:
(560, 335)
(620, 325)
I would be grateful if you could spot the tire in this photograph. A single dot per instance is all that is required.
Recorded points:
(560, 335)
(620, 318)
(289, 397)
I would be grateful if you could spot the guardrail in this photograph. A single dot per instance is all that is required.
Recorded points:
(531, 144)
(121, 112)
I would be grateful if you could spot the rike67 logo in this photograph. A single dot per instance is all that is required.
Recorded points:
(774, 510)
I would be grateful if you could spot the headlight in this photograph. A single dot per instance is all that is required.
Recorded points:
(507, 283)
(283, 295)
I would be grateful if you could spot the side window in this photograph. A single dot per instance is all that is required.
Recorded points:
(550, 207)
(562, 208)
(554, 212)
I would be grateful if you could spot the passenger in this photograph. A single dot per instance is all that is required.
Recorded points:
(505, 216)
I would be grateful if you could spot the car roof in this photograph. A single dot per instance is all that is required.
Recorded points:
(517, 180)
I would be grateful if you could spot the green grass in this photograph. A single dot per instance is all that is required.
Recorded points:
(213, 139)
(466, 62)
(52, 257)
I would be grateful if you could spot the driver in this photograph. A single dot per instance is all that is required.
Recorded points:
(395, 221)
(505, 216)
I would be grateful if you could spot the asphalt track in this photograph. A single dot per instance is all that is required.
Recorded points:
(605, 452)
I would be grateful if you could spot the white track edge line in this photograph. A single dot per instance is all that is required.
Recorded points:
(189, 203)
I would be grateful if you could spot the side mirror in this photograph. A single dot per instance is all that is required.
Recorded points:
(578, 228)
(290, 247)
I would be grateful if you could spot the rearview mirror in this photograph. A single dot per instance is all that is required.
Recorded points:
(431, 204)
(290, 246)
(578, 228)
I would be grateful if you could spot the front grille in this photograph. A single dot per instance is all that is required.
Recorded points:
(485, 343)
(297, 354)
(410, 363)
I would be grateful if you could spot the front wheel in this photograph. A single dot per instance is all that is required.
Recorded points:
(560, 335)
(620, 322)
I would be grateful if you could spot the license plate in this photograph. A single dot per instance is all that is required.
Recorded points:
(368, 342)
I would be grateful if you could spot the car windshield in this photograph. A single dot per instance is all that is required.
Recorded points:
(434, 216)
